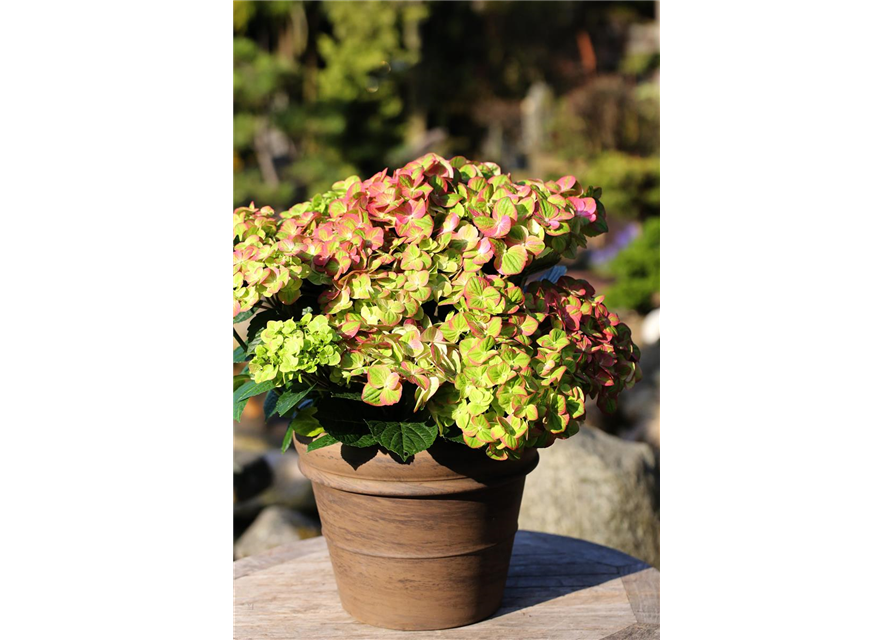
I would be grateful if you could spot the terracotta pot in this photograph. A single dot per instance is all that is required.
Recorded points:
(418, 545)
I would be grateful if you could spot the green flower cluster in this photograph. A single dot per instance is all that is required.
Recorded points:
(291, 348)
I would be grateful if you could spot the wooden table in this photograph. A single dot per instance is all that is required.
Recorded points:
(558, 589)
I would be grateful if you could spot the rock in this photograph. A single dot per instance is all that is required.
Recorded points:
(287, 486)
(599, 488)
(250, 479)
(275, 526)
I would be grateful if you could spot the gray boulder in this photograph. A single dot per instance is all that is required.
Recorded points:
(599, 488)
(273, 527)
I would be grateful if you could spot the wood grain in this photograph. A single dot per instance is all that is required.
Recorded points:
(643, 589)
(558, 588)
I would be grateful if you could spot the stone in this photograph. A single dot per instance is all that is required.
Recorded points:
(275, 526)
(599, 488)
(250, 478)
(286, 487)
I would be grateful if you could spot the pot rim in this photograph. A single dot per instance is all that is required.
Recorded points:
(408, 485)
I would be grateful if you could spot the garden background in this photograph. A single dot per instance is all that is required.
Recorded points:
(324, 90)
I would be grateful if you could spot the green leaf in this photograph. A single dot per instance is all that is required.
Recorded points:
(287, 439)
(353, 438)
(242, 317)
(321, 442)
(344, 416)
(270, 405)
(238, 407)
(239, 379)
(305, 423)
(347, 395)
(546, 260)
(505, 207)
(453, 434)
(403, 438)
(251, 388)
(512, 261)
(239, 355)
(378, 375)
(246, 391)
(289, 399)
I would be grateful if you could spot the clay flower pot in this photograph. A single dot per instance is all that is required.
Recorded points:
(420, 545)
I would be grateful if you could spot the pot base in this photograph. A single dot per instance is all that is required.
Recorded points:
(413, 596)
(418, 546)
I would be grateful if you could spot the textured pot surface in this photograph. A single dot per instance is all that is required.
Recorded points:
(423, 545)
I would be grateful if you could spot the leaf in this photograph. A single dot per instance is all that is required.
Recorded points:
(270, 404)
(453, 434)
(239, 355)
(259, 323)
(493, 227)
(345, 416)
(239, 380)
(472, 441)
(512, 261)
(381, 397)
(251, 388)
(238, 407)
(247, 390)
(242, 317)
(479, 295)
(354, 437)
(378, 375)
(544, 261)
(305, 423)
(287, 439)
(403, 438)
(321, 442)
(505, 207)
(289, 399)
(347, 395)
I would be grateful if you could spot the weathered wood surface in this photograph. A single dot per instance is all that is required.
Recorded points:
(558, 589)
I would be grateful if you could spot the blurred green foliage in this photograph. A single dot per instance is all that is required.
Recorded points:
(631, 183)
(608, 113)
(316, 93)
(636, 270)
(324, 90)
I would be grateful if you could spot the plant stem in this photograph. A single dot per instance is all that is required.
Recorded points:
(239, 340)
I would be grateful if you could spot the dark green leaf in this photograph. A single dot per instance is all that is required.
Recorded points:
(239, 402)
(270, 405)
(453, 434)
(355, 439)
(252, 346)
(403, 438)
(238, 407)
(287, 439)
(347, 395)
(251, 388)
(259, 323)
(320, 442)
(346, 415)
(543, 262)
(593, 192)
(239, 379)
(242, 317)
(289, 399)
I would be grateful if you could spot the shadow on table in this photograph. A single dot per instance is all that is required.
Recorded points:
(546, 566)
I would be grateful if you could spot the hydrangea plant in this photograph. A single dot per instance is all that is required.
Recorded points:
(410, 306)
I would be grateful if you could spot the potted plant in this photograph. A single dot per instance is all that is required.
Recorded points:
(404, 327)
